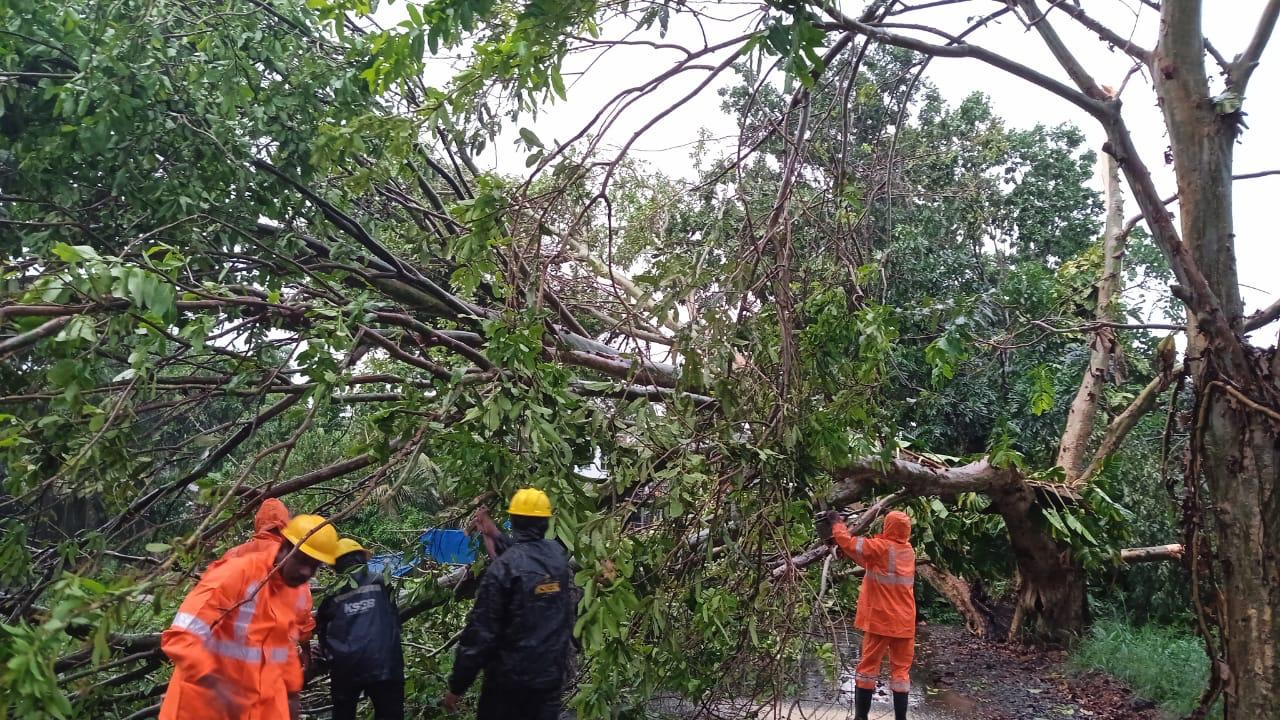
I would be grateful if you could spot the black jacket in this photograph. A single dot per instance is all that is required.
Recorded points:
(520, 629)
(359, 629)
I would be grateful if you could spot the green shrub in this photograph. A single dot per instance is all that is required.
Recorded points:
(1164, 664)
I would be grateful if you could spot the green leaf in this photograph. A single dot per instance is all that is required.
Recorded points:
(1079, 527)
(158, 547)
(557, 83)
(64, 372)
(529, 138)
(1055, 519)
(75, 253)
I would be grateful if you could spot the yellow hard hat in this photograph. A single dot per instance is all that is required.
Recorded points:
(323, 543)
(348, 545)
(530, 502)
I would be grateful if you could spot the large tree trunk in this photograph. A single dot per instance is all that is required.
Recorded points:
(1241, 465)
(1237, 395)
(1051, 582)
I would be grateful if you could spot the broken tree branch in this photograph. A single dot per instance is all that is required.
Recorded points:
(1127, 420)
(859, 526)
(1157, 553)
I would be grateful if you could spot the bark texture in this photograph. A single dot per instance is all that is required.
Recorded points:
(1157, 553)
(966, 599)
(1237, 450)
(1050, 601)
(1102, 342)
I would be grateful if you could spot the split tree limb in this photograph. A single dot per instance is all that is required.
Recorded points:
(1157, 553)
(978, 618)
(1128, 419)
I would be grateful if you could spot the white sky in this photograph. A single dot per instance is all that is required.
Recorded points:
(667, 145)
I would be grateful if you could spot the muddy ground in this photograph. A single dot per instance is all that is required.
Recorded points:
(997, 681)
(955, 677)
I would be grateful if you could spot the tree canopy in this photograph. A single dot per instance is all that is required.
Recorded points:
(250, 252)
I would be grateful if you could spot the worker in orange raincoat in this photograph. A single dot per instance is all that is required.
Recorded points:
(231, 643)
(886, 607)
(270, 519)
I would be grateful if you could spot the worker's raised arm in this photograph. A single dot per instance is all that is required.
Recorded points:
(480, 637)
(865, 551)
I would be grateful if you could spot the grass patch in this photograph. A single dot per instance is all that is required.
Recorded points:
(1165, 665)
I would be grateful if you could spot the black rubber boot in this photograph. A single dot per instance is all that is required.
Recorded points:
(899, 706)
(862, 703)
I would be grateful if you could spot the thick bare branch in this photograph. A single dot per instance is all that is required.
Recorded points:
(1119, 428)
(1262, 318)
(1094, 107)
(315, 477)
(1244, 65)
(1158, 553)
(1069, 62)
(979, 476)
(1102, 344)
(51, 327)
(1111, 37)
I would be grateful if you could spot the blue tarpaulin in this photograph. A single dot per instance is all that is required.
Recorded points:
(451, 547)
(445, 546)
(399, 568)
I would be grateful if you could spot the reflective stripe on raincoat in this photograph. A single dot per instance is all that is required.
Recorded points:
(236, 624)
(887, 601)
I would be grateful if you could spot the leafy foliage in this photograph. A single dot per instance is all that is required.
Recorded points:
(248, 254)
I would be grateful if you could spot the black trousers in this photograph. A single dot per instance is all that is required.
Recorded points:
(506, 702)
(387, 698)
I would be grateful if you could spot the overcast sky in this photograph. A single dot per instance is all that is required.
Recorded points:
(668, 144)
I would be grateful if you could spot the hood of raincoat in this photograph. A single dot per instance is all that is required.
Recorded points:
(897, 526)
(272, 516)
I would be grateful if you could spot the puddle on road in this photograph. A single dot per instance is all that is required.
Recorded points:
(926, 701)
(823, 699)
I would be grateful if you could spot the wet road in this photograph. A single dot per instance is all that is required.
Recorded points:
(823, 699)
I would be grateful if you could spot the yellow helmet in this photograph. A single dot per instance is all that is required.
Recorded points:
(348, 545)
(323, 543)
(530, 502)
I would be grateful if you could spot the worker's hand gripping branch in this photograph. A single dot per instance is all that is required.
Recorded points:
(823, 522)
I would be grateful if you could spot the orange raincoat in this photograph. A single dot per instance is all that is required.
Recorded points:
(235, 625)
(887, 603)
(271, 518)
(239, 626)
